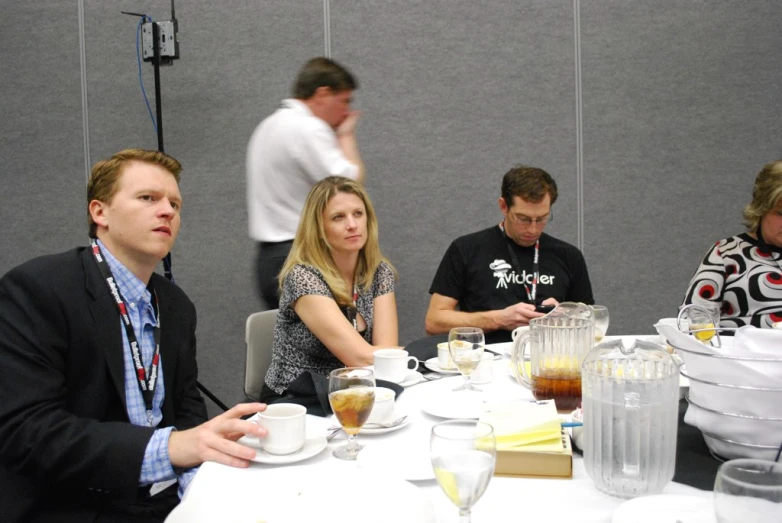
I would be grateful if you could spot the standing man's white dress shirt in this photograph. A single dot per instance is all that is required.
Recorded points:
(309, 138)
(289, 152)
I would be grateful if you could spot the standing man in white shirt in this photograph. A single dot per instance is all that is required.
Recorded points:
(310, 137)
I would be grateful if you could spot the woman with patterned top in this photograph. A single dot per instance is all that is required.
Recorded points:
(337, 303)
(744, 272)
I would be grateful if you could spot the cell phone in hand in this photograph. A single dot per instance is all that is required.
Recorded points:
(545, 309)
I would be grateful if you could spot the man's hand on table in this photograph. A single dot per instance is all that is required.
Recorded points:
(215, 440)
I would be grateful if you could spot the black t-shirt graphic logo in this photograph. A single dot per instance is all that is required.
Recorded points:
(500, 267)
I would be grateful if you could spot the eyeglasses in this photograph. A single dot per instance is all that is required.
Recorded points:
(526, 221)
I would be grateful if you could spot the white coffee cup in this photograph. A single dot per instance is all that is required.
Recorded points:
(484, 372)
(444, 360)
(393, 364)
(383, 409)
(285, 426)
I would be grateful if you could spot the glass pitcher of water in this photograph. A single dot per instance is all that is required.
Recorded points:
(558, 342)
(630, 404)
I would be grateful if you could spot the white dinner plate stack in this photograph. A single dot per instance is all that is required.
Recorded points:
(735, 390)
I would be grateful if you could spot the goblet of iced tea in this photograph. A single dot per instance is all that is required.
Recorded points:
(352, 396)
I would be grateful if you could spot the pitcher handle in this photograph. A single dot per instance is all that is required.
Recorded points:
(517, 359)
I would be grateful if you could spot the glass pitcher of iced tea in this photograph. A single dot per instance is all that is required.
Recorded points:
(631, 404)
(557, 344)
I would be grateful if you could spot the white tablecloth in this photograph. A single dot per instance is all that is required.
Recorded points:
(506, 499)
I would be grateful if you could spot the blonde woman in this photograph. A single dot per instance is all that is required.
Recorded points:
(337, 303)
(743, 273)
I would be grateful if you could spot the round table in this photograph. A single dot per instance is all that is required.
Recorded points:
(506, 499)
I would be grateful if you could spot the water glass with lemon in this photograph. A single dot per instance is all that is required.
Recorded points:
(704, 318)
(463, 455)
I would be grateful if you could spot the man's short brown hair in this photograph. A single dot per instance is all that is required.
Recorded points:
(322, 72)
(528, 183)
(105, 175)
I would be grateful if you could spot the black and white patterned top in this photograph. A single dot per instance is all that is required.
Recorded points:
(745, 276)
(295, 348)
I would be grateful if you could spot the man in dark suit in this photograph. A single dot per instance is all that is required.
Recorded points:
(98, 402)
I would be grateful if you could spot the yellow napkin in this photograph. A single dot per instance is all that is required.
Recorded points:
(525, 423)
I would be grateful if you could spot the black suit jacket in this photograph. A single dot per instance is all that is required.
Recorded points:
(67, 447)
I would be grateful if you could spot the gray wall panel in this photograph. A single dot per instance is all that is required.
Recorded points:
(681, 109)
(236, 65)
(42, 178)
(454, 94)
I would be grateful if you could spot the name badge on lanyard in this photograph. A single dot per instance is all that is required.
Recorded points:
(517, 266)
(146, 383)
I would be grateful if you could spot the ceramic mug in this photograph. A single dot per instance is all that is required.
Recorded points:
(383, 409)
(444, 360)
(393, 364)
(285, 424)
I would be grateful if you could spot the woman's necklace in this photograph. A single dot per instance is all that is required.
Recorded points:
(355, 306)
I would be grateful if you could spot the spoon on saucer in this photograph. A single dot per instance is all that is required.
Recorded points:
(387, 425)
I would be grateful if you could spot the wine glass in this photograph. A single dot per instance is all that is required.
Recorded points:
(463, 456)
(351, 395)
(600, 313)
(703, 316)
(748, 490)
(466, 347)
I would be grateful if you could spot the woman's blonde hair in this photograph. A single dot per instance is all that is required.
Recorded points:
(311, 247)
(765, 195)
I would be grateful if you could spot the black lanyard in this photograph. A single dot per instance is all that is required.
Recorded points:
(145, 383)
(517, 265)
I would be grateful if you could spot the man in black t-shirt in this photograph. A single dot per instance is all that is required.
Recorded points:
(490, 274)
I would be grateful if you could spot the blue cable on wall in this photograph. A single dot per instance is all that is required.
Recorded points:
(138, 58)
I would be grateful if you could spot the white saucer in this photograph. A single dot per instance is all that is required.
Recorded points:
(433, 365)
(412, 378)
(369, 431)
(455, 405)
(313, 445)
(665, 508)
(410, 465)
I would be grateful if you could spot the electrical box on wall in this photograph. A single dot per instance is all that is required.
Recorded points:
(167, 41)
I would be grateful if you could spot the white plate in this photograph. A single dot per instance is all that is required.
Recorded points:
(412, 378)
(313, 445)
(665, 508)
(455, 405)
(305, 495)
(433, 365)
(410, 464)
(368, 431)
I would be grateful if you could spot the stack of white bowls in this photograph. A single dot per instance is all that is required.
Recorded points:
(735, 395)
